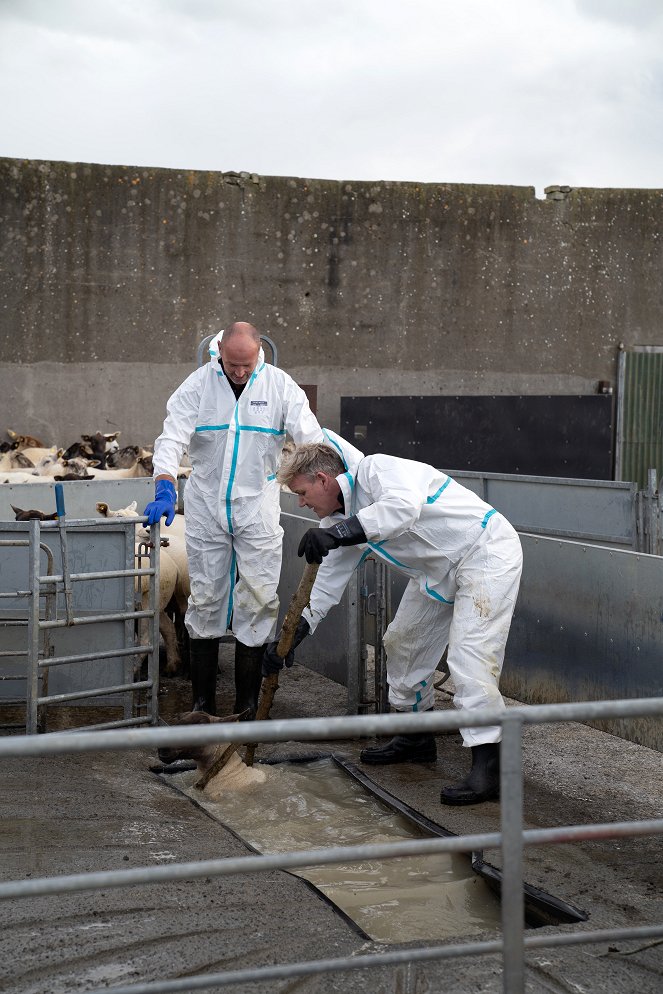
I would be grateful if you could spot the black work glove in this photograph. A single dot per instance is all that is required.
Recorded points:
(272, 662)
(317, 542)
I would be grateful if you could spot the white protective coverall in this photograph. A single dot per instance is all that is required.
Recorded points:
(464, 561)
(232, 504)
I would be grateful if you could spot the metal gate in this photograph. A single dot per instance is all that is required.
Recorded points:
(639, 442)
(72, 622)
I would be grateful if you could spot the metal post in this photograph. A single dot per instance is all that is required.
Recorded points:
(619, 431)
(32, 671)
(153, 656)
(513, 902)
(64, 552)
(382, 619)
(356, 677)
(130, 583)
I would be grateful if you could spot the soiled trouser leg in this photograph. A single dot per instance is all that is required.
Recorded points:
(255, 599)
(414, 643)
(212, 569)
(488, 584)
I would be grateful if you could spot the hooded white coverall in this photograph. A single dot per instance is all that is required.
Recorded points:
(464, 561)
(232, 497)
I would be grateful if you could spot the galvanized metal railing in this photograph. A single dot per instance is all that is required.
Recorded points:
(512, 839)
(60, 586)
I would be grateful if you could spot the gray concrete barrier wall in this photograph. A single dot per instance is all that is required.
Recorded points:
(111, 275)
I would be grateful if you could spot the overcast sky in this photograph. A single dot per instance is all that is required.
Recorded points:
(524, 92)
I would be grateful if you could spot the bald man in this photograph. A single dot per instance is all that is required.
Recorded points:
(233, 414)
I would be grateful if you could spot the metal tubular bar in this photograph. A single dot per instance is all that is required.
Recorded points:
(130, 592)
(32, 675)
(120, 723)
(328, 729)
(355, 676)
(382, 616)
(64, 553)
(287, 971)
(104, 575)
(512, 899)
(317, 857)
(84, 657)
(94, 619)
(153, 657)
(13, 594)
(98, 692)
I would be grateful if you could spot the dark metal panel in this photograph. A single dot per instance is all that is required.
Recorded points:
(540, 436)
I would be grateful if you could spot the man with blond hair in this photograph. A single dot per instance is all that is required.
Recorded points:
(464, 562)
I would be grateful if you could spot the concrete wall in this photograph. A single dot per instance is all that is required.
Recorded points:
(110, 276)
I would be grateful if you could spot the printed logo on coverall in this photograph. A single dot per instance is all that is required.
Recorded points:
(258, 403)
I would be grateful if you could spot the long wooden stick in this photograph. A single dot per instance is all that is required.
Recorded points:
(300, 600)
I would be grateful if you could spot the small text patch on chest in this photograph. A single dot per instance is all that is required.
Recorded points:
(258, 404)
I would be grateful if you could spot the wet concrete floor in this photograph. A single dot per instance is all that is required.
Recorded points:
(71, 814)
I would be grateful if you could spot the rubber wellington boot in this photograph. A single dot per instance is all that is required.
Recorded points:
(248, 677)
(482, 782)
(402, 749)
(204, 657)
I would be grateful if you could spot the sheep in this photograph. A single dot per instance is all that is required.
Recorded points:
(127, 457)
(173, 538)
(20, 477)
(24, 441)
(21, 515)
(14, 460)
(102, 445)
(233, 774)
(142, 468)
(168, 575)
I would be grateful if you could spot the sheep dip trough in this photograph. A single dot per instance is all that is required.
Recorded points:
(325, 800)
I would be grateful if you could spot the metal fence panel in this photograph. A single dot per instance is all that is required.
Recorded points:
(80, 496)
(591, 510)
(588, 625)
(90, 550)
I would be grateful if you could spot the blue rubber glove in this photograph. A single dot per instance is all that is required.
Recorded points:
(165, 502)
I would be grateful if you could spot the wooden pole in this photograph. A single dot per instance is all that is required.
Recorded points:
(270, 684)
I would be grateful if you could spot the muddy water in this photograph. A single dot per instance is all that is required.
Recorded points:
(316, 805)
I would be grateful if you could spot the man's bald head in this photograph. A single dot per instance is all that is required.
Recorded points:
(243, 329)
(239, 348)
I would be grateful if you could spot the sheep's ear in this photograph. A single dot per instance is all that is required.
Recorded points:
(86, 438)
(60, 453)
(12, 434)
(16, 510)
(93, 462)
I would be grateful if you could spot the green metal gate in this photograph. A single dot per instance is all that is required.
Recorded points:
(639, 445)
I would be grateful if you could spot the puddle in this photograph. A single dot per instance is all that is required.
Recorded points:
(315, 805)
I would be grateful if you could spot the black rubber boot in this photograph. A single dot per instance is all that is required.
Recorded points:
(402, 749)
(482, 782)
(248, 677)
(204, 660)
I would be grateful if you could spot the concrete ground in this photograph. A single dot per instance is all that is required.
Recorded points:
(73, 814)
